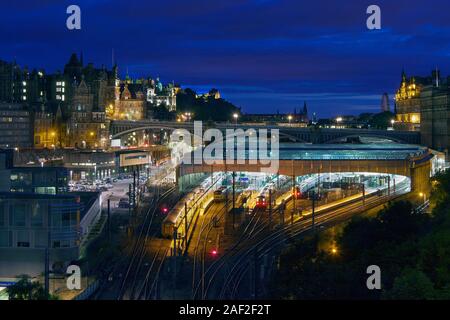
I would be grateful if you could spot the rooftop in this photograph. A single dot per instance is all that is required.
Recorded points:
(349, 151)
(385, 151)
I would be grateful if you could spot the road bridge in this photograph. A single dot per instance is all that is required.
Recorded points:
(313, 135)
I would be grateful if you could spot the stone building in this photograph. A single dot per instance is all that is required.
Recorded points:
(78, 98)
(129, 103)
(423, 104)
(44, 131)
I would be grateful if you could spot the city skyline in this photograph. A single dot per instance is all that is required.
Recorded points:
(211, 152)
(326, 57)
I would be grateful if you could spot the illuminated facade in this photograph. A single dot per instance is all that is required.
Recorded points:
(158, 95)
(128, 105)
(44, 130)
(423, 104)
(407, 102)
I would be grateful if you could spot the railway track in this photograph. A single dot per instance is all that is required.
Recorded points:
(131, 285)
(199, 253)
(264, 242)
(248, 232)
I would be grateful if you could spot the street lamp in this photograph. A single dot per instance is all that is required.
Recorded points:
(235, 116)
(53, 135)
(423, 195)
(289, 118)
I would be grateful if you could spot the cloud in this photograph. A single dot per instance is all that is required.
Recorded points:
(252, 50)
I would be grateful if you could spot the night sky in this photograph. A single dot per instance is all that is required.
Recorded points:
(263, 55)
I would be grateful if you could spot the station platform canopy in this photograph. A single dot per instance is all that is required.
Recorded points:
(385, 151)
(298, 151)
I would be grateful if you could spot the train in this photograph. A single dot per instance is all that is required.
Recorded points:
(167, 226)
(262, 200)
(220, 194)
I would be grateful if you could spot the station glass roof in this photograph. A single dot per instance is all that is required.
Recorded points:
(385, 151)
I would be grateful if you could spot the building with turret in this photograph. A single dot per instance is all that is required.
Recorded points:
(73, 107)
(423, 104)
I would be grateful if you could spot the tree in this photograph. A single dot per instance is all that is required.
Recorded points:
(412, 284)
(412, 249)
(205, 108)
(25, 289)
(381, 120)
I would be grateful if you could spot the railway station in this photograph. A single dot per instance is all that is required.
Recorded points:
(296, 160)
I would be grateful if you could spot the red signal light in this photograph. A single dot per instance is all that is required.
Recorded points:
(214, 252)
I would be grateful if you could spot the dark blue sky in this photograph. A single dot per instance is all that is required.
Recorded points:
(263, 55)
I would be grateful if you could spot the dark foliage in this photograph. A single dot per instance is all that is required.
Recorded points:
(411, 249)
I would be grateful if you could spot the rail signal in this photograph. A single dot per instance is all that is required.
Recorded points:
(297, 193)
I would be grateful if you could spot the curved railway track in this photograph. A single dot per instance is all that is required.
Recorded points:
(240, 259)
(130, 286)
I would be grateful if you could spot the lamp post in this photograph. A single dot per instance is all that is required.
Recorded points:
(423, 196)
(53, 135)
(289, 118)
(235, 116)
